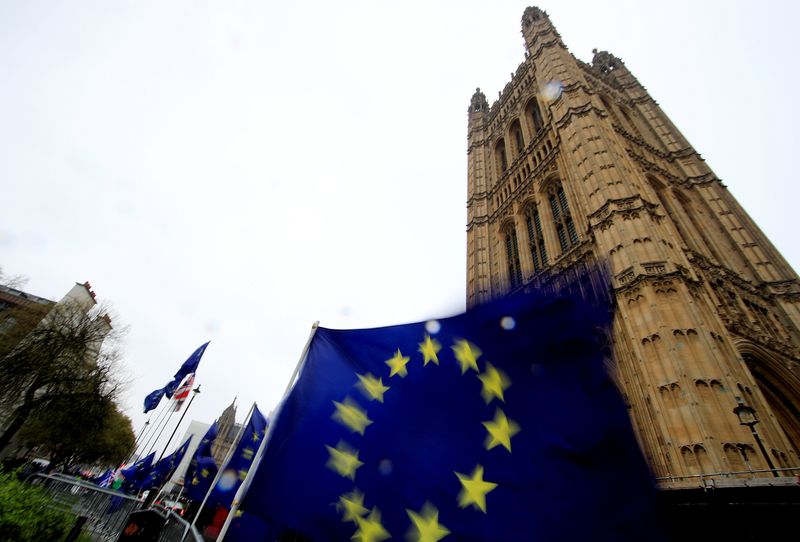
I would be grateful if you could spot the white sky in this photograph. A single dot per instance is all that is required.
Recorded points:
(234, 171)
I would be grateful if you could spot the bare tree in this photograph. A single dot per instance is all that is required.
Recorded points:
(67, 351)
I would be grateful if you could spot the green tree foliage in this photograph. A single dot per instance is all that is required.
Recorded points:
(88, 430)
(27, 513)
(51, 355)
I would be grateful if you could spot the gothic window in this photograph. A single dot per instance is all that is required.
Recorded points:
(535, 116)
(500, 157)
(535, 237)
(516, 136)
(512, 256)
(562, 219)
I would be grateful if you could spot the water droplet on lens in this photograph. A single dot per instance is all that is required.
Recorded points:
(507, 323)
(385, 467)
(433, 326)
(227, 480)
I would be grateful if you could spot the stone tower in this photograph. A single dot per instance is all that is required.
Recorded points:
(574, 166)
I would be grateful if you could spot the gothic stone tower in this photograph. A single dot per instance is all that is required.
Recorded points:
(576, 165)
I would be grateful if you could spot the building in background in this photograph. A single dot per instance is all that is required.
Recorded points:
(576, 166)
(226, 437)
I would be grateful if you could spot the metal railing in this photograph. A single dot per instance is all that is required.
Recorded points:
(745, 476)
(105, 510)
(176, 529)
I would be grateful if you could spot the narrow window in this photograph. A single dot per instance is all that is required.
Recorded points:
(512, 257)
(538, 252)
(500, 156)
(565, 226)
(535, 115)
(516, 134)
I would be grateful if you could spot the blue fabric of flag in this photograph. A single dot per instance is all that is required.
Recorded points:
(202, 468)
(498, 424)
(153, 399)
(136, 473)
(235, 471)
(162, 470)
(189, 366)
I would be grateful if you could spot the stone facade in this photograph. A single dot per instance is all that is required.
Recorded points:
(575, 166)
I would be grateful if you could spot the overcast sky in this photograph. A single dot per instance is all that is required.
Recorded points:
(234, 171)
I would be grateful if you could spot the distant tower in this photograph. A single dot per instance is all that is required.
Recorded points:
(576, 165)
(226, 433)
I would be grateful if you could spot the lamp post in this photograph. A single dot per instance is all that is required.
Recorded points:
(747, 416)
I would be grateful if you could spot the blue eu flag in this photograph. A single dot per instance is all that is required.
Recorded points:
(189, 366)
(202, 469)
(497, 424)
(162, 470)
(237, 468)
(136, 473)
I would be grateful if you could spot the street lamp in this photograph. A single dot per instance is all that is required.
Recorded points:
(747, 416)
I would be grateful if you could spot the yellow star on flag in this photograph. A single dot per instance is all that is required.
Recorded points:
(371, 387)
(370, 528)
(398, 364)
(256, 436)
(426, 527)
(429, 348)
(247, 454)
(474, 489)
(204, 473)
(242, 474)
(500, 430)
(343, 460)
(352, 416)
(494, 382)
(467, 355)
(195, 481)
(352, 506)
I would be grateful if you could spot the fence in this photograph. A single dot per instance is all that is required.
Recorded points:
(177, 529)
(105, 510)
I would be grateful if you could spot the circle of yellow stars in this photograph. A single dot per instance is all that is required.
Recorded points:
(343, 459)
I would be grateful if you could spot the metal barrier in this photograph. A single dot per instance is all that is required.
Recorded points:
(106, 510)
(176, 529)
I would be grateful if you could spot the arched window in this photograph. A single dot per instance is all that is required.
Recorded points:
(500, 157)
(516, 137)
(535, 116)
(535, 237)
(512, 256)
(562, 218)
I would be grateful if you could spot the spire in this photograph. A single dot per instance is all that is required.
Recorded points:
(605, 61)
(478, 102)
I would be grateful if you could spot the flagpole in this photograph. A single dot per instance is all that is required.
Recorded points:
(228, 457)
(185, 410)
(254, 466)
(135, 446)
(160, 431)
(158, 417)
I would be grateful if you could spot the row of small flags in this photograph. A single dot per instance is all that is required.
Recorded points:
(202, 481)
(501, 423)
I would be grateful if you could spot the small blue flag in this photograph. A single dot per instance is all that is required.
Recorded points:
(497, 424)
(189, 366)
(152, 400)
(202, 469)
(236, 469)
(162, 470)
(136, 473)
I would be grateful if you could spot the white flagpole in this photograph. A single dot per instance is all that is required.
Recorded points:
(225, 462)
(254, 466)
